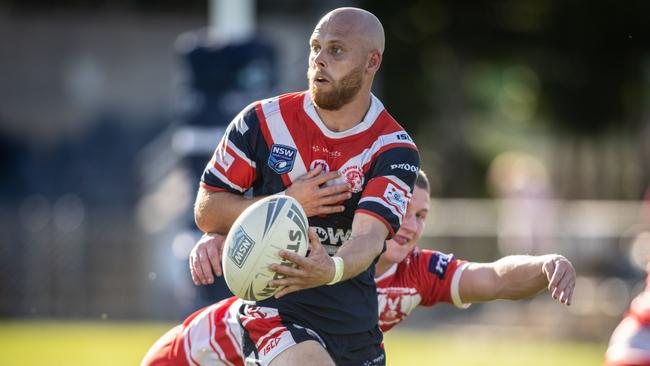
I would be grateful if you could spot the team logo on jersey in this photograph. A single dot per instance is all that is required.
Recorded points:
(354, 177)
(396, 197)
(281, 158)
(438, 264)
(319, 163)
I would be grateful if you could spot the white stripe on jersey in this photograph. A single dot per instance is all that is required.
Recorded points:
(233, 328)
(376, 107)
(224, 179)
(242, 155)
(383, 203)
(224, 159)
(240, 124)
(215, 345)
(281, 135)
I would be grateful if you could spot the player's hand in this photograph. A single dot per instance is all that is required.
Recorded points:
(317, 200)
(561, 278)
(314, 270)
(205, 258)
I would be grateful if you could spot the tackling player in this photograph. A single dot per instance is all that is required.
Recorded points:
(339, 127)
(407, 277)
(630, 342)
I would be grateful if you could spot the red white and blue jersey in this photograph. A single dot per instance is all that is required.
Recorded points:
(423, 278)
(273, 142)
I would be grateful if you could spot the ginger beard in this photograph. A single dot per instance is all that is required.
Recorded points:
(340, 93)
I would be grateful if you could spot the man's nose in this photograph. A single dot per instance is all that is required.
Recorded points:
(408, 223)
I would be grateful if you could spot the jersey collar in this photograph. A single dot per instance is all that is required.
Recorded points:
(376, 107)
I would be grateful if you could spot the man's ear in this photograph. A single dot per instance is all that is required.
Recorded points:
(374, 61)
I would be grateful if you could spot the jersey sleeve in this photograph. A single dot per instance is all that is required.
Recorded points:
(439, 278)
(232, 167)
(392, 176)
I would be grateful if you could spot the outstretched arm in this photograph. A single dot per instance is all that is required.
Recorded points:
(517, 277)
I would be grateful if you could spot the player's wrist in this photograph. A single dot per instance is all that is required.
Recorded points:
(339, 267)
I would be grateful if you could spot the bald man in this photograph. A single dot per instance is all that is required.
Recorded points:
(352, 167)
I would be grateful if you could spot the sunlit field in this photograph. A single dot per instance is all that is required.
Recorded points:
(123, 343)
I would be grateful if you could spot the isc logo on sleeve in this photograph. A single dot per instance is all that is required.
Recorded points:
(281, 158)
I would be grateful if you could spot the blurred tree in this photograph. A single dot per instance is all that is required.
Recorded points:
(579, 66)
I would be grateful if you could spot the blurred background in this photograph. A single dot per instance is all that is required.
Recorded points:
(532, 119)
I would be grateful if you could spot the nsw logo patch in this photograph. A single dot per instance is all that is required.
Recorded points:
(281, 158)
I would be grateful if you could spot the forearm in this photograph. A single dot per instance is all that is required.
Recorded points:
(215, 212)
(360, 250)
(520, 276)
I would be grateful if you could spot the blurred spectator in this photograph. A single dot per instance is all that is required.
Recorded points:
(526, 220)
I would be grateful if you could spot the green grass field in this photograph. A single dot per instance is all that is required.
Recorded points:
(115, 343)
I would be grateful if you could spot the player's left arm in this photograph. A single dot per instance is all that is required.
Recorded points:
(517, 277)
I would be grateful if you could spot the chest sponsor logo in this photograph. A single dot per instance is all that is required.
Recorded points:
(405, 166)
(332, 236)
(319, 163)
(281, 158)
(438, 264)
(354, 177)
(396, 197)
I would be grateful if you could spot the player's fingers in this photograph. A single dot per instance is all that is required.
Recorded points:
(549, 269)
(295, 258)
(556, 278)
(569, 296)
(566, 281)
(335, 189)
(287, 290)
(214, 256)
(193, 272)
(310, 174)
(330, 200)
(323, 178)
(197, 270)
(326, 210)
(285, 270)
(314, 241)
(204, 262)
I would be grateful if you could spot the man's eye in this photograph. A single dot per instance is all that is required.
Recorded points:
(315, 49)
(336, 50)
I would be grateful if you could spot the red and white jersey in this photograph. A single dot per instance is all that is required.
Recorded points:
(630, 341)
(423, 278)
(212, 336)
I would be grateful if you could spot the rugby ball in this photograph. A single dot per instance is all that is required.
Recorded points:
(252, 245)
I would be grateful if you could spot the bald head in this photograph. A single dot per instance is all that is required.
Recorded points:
(354, 21)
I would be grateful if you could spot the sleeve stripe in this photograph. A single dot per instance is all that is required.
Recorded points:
(225, 180)
(240, 154)
(392, 208)
(211, 188)
(391, 232)
(455, 287)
